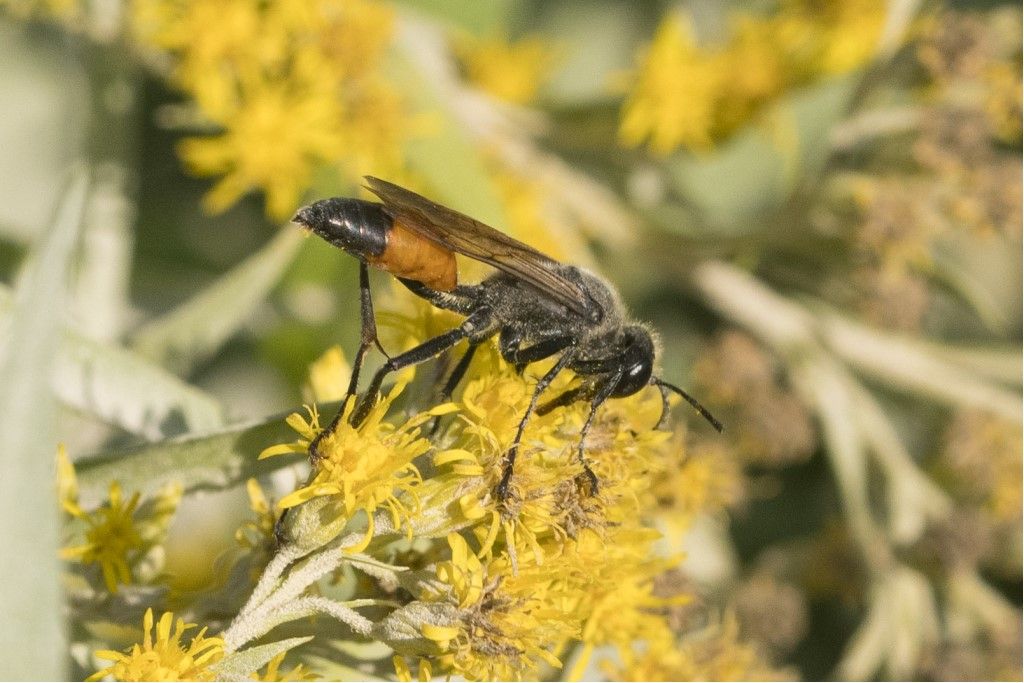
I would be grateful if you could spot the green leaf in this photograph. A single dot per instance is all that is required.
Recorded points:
(124, 389)
(193, 331)
(239, 666)
(213, 461)
(32, 629)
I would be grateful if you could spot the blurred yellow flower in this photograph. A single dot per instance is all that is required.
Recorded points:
(513, 71)
(273, 140)
(164, 657)
(675, 93)
(112, 539)
(715, 654)
(685, 95)
(273, 672)
(67, 482)
(293, 86)
(256, 535)
(119, 533)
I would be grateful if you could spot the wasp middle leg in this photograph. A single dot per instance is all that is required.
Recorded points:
(476, 328)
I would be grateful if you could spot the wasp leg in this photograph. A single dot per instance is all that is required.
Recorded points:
(602, 395)
(453, 381)
(510, 454)
(367, 338)
(368, 331)
(520, 357)
(567, 397)
(477, 327)
(462, 300)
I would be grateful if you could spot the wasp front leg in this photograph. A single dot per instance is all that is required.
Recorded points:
(508, 467)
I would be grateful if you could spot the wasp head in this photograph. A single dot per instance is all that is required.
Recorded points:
(637, 361)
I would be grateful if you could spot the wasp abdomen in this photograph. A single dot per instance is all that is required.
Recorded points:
(407, 254)
(366, 230)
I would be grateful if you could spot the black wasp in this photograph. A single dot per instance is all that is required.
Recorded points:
(538, 307)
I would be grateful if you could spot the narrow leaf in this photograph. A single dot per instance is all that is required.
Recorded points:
(240, 666)
(122, 388)
(212, 461)
(193, 331)
(32, 629)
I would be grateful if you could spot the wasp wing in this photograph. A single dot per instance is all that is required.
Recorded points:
(460, 233)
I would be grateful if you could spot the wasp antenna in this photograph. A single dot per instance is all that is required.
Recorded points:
(704, 412)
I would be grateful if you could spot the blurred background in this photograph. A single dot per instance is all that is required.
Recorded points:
(816, 204)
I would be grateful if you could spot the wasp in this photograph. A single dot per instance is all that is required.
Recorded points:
(538, 307)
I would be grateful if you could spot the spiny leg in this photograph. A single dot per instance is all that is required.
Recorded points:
(520, 357)
(367, 338)
(453, 381)
(513, 451)
(607, 386)
(478, 324)
(567, 397)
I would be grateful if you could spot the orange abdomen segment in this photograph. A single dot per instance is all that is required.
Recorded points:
(411, 256)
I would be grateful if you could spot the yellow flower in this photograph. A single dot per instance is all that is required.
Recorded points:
(256, 535)
(402, 672)
(849, 31)
(113, 540)
(510, 70)
(363, 467)
(715, 654)
(162, 656)
(67, 482)
(299, 672)
(279, 132)
(507, 624)
(294, 86)
(683, 95)
(329, 375)
(676, 92)
(119, 533)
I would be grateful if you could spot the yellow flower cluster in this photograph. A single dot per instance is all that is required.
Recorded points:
(715, 654)
(291, 87)
(513, 71)
(533, 581)
(162, 656)
(361, 468)
(683, 94)
(118, 534)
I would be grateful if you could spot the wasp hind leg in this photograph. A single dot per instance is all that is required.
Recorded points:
(367, 338)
